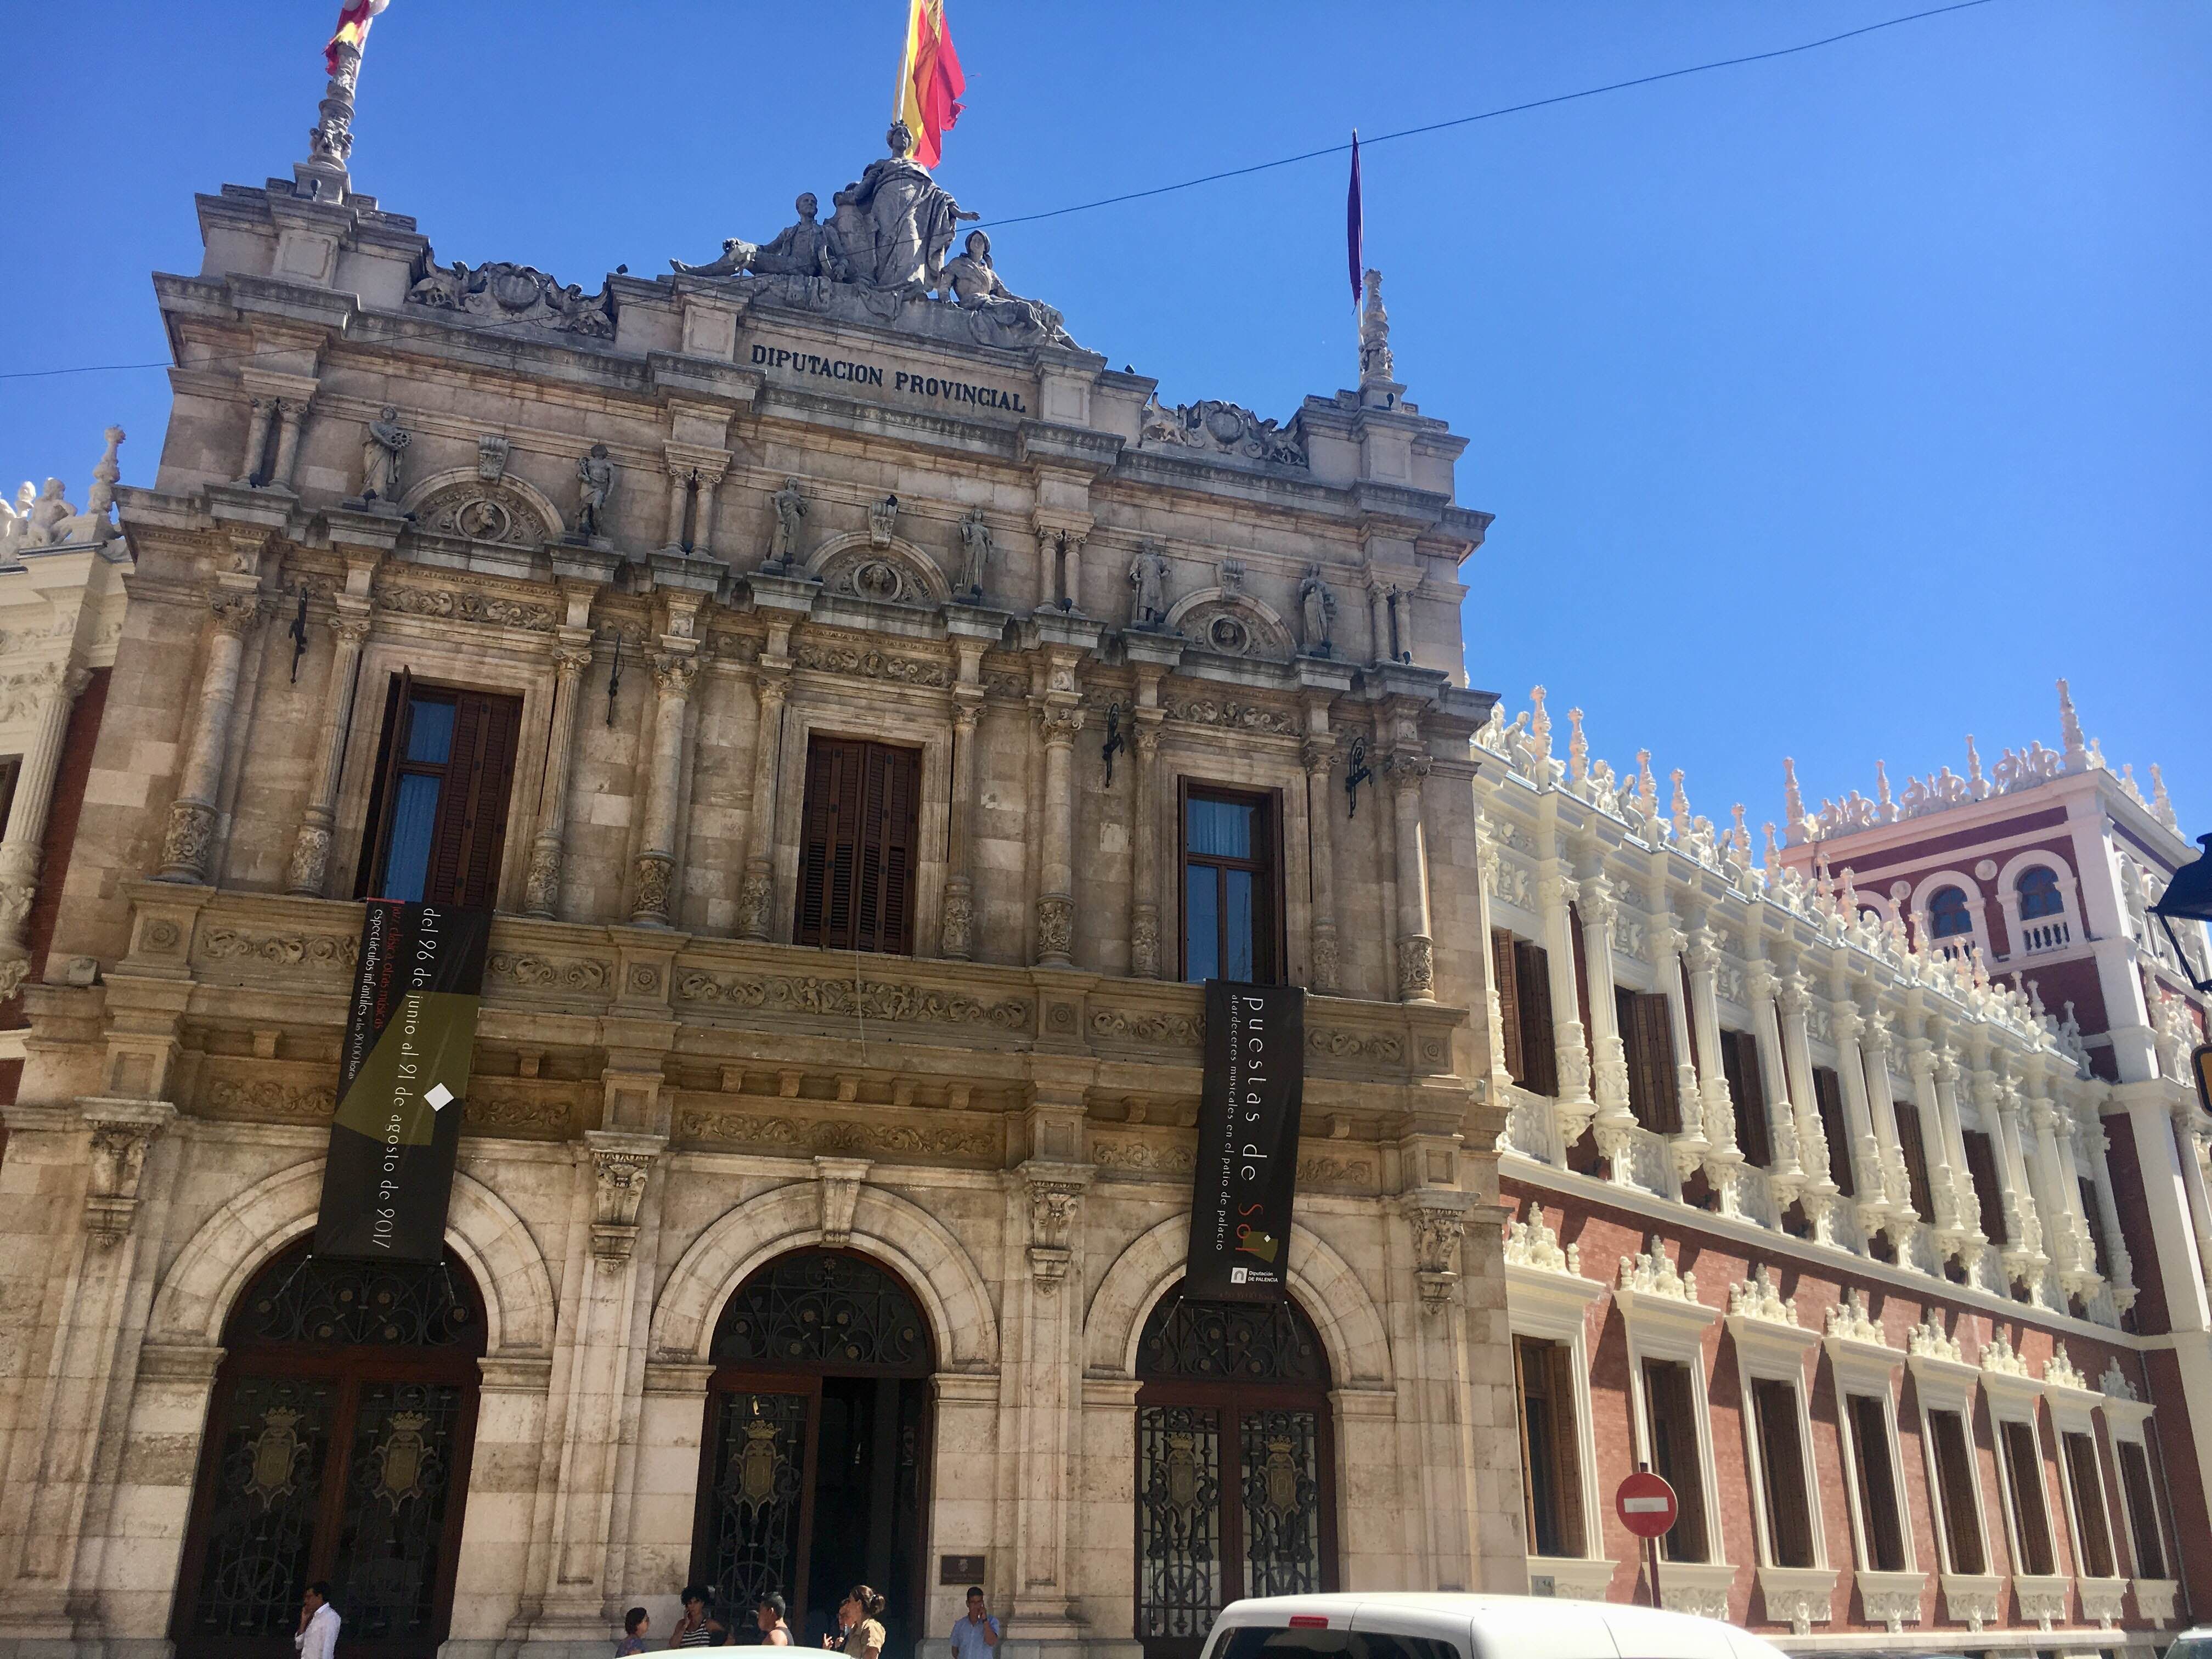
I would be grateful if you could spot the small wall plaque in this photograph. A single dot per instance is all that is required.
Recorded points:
(960, 1569)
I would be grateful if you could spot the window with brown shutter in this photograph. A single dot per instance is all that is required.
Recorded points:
(1672, 1414)
(856, 846)
(1782, 1471)
(1877, 1484)
(2031, 1517)
(1532, 972)
(1647, 1030)
(437, 815)
(2088, 1505)
(2143, 1509)
(1509, 1004)
(1958, 1496)
(1747, 1088)
(1982, 1170)
(1549, 1449)
(1828, 1096)
(1913, 1145)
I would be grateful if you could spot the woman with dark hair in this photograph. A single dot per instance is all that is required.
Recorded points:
(860, 1619)
(699, 1628)
(770, 1616)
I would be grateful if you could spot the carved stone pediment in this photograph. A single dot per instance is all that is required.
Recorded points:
(479, 510)
(1232, 625)
(1212, 426)
(891, 571)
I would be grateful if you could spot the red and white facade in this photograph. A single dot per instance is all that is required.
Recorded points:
(1889, 1251)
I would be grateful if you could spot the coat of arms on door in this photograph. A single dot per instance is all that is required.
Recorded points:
(272, 1471)
(404, 1459)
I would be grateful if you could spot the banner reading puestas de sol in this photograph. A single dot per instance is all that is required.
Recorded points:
(402, 1077)
(1248, 1142)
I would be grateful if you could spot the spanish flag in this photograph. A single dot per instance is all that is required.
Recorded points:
(354, 19)
(930, 82)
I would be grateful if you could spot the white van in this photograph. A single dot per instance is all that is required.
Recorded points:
(1411, 1625)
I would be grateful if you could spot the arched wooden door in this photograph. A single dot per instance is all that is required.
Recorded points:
(814, 1462)
(1236, 1490)
(337, 1446)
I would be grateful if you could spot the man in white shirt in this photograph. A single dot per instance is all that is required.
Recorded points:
(318, 1624)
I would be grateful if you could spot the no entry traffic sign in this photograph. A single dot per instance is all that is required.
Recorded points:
(1645, 1504)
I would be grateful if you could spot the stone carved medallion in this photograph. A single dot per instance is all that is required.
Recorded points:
(481, 511)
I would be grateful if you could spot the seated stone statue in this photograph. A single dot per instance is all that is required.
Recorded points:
(1001, 318)
(735, 257)
(799, 250)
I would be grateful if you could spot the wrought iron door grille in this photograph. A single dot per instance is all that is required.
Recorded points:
(759, 1462)
(1230, 1341)
(261, 1522)
(394, 1304)
(1282, 1507)
(818, 1308)
(1178, 1520)
(397, 1480)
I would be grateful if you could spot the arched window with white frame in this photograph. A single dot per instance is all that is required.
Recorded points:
(2042, 906)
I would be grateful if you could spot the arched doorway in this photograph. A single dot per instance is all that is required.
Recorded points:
(1236, 1493)
(813, 1471)
(337, 1446)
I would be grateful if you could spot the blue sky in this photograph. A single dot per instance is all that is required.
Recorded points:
(1831, 406)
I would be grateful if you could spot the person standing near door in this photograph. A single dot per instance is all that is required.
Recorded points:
(318, 1637)
(861, 1617)
(698, 1627)
(976, 1633)
(770, 1616)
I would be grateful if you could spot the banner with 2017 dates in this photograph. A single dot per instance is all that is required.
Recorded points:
(1248, 1142)
(402, 1079)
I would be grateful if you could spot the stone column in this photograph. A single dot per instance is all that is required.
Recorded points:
(1812, 1133)
(1881, 1108)
(1407, 771)
(1048, 1339)
(1702, 957)
(23, 851)
(1615, 1119)
(1947, 1076)
(1319, 755)
(679, 496)
(2022, 1254)
(2095, 1145)
(673, 672)
(1788, 1175)
(572, 660)
(311, 847)
(190, 840)
(1378, 619)
(771, 685)
(1145, 853)
(259, 412)
(1690, 1145)
(1570, 1046)
(1060, 720)
(291, 412)
(1873, 1197)
(1935, 1147)
(2059, 1198)
(957, 934)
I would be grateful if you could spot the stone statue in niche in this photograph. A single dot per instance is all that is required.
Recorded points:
(595, 482)
(1000, 317)
(790, 505)
(1148, 574)
(883, 518)
(1318, 605)
(383, 456)
(904, 221)
(976, 552)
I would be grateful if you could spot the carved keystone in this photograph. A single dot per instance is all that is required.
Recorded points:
(840, 1179)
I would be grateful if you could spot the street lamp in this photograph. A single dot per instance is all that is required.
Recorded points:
(2188, 897)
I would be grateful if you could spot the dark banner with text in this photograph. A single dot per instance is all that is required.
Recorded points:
(1248, 1142)
(402, 1077)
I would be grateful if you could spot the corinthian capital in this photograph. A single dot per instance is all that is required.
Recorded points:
(673, 673)
(234, 613)
(1060, 724)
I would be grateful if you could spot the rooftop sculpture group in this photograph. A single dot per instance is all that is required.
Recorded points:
(883, 255)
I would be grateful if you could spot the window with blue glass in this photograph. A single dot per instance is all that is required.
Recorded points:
(1948, 914)
(437, 816)
(2038, 893)
(1231, 906)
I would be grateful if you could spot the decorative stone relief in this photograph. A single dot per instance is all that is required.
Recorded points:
(840, 1179)
(839, 998)
(1053, 1205)
(1210, 426)
(1145, 1157)
(467, 605)
(1055, 925)
(2043, 1600)
(618, 1178)
(535, 1114)
(333, 951)
(2114, 1383)
(480, 511)
(267, 1100)
(514, 296)
(118, 1161)
(1532, 1241)
(1848, 1320)
(1650, 1273)
(1162, 1030)
(869, 665)
(1417, 967)
(1893, 1608)
(1927, 1341)
(549, 972)
(1235, 716)
(1702, 1600)
(1235, 628)
(1380, 1047)
(1799, 1606)
(1999, 1355)
(2059, 1372)
(1756, 1297)
(1974, 1600)
(776, 1129)
(1335, 1172)
(1437, 1232)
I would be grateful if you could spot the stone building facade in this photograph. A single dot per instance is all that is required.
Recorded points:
(866, 711)
(1832, 1210)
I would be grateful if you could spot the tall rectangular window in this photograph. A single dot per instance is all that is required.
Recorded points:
(1231, 909)
(1522, 972)
(2023, 1459)
(856, 846)
(1877, 1484)
(1782, 1470)
(1647, 1030)
(1957, 1491)
(1828, 1097)
(1982, 1170)
(1747, 1088)
(1914, 1148)
(437, 816)
(2143, 1508)
(2088, 1505)
(1671, 1411)
(1550, 1452)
